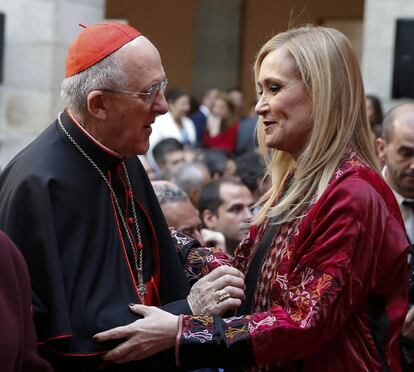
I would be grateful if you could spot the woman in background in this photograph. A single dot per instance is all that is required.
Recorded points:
(175, 123)
(374, 110)
(221, 128)
(375, 115)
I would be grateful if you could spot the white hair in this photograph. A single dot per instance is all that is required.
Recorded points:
(108, 73)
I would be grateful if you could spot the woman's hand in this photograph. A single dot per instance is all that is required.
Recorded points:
(154, 333)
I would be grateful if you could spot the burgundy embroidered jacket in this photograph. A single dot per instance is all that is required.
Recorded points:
(331, 291)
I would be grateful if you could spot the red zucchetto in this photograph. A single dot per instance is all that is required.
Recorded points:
(96, 42)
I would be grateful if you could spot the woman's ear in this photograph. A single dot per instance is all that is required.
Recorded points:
(97, 104)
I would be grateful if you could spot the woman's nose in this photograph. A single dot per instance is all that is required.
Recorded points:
(261, 105)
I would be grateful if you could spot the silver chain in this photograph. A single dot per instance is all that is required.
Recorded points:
(138, 261)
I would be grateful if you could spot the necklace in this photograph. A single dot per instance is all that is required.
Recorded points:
(138, 258)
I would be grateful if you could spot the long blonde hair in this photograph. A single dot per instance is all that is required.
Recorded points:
(328, 67)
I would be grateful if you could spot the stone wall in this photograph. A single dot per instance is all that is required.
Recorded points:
(216, 45)
(378, 45)
(37, 33)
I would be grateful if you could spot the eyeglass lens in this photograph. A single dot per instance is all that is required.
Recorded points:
(153, 90)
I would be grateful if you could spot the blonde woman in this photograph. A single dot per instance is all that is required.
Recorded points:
(325, 259)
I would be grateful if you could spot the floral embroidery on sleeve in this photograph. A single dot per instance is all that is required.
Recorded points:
(198, 261)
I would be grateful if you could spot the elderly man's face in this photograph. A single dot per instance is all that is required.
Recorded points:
(130, 117)
(183, 216)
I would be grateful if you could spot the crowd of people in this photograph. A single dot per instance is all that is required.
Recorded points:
(158, 236)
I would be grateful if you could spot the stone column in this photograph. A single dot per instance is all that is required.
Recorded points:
(216, 45)
(37, 33)
(378, 45)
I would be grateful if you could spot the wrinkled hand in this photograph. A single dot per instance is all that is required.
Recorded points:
(408, 328)
(204, 295)
(154, 333)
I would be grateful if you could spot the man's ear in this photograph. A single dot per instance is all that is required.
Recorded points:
(193, 194)
(380, 147)
(97, 104)
(209, 219)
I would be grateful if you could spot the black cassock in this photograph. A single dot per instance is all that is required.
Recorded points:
(59, 211)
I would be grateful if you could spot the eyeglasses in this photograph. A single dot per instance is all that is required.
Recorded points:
(148, 95)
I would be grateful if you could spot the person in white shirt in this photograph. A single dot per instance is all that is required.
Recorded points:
(175, 122)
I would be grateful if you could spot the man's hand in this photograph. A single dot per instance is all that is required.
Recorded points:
(408, 328)
(218, 292)
(154, 333)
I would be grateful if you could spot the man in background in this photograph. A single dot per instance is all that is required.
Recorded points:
(225, 206)
(396, 151)
(191, 177)
(168, 154)
(178, 209)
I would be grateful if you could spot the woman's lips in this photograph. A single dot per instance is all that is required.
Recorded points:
(269, 125)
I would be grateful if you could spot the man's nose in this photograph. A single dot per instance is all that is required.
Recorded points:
(160, 103)
(247, 213)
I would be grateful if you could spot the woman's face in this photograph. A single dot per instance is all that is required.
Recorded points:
(220, 108)
(284, 104)
(180, 107)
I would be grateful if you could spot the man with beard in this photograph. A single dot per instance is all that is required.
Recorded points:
(396, 151)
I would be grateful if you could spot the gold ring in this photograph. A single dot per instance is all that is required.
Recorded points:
(222, 295)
